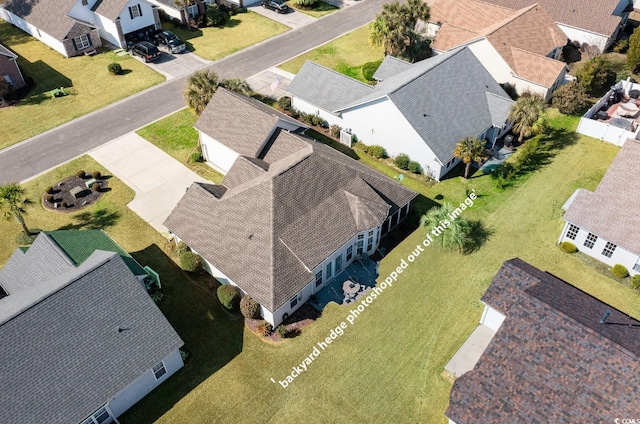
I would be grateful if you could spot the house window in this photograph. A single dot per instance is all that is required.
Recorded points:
(591, 240)
(318, 278)
(192, 10)
(349, 253)
(82, 42)
(293, 302)
(338, 264)
(572, 232)
(159, 370)
(8, 79)
(135, 11)
(329, 268)
(99, 417)
(636, 267)
(369, 244)
(360, 247)
(608, 250)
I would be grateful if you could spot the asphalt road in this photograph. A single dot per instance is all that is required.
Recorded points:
(59, 145)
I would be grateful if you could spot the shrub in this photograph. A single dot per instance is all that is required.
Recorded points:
(633, 54)
(190, 261)
(96, 174)
(620, 271)
(264, 329)
(80, 174)
(249, 307)
(635, 282)
(196, 157)
(157, 296)
(415, 167)
(216, 16)
(114, 68)
(318, 121)
(568, 247)
(295, 113)
(184, 354)
(305, 3)
(282, 331)
(181, 247)
(527, 154)
(49, 198)
(48, 190)
(96, 187)
(370, 68)
(229, 296)
(377, 152)
(334, 130)
(621, 46)
(402, 161)
(571, 98)
(65, 204)
(284, 103)
(596, 73)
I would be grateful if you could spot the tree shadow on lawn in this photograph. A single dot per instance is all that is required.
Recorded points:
(95, 220)
(46, 79)
(550, 144)
(477, 237)
(212, 335)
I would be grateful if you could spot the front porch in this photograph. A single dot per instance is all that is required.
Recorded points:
(349, 285)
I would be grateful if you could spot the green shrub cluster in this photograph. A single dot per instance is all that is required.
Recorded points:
(190, 261)
(370, 68)
(377, 152)
(620, 271)
(523, 161)
(80, 174)
(621, 46)
(196, 157)
(249, 307)
(312, 119)
(571, 98)
(115, 68)
(49, 198)
(229, 296)
(48, 190)
(307, 4)
(216, 16)
(596, 73)
(635, 282)
(415, 167)
(334, 130)
(284, 103)
(96, 174)
(281, 330)
(402, 161)
(568, 247)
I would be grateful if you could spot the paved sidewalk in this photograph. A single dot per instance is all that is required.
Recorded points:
(159, 180)
(293, 19)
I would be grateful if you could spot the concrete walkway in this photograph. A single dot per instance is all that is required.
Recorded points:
(470, 352)
(159, 180)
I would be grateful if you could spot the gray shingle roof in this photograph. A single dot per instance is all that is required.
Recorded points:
(49, 16)
(266, 233)
(611, 210)
(389, 67)
(109, 9)
(551, 360)
(63, 357)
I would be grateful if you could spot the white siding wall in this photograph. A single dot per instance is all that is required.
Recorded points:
(219, 156)
(108, 30)
(491, 318)
(620, 255)
(145, 384)
(131, 25)
(31, 30)
(84, 13)
(575, 34)
(173, 12)
(303, 106)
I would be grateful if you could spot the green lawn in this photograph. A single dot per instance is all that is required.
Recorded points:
(346, 55)
(243, 30)
(387, 366)
(93, 86)
(319, 10)
(176, 136)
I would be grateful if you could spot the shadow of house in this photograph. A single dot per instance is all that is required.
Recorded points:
(99, 219)
(212, 335)
(45, 78)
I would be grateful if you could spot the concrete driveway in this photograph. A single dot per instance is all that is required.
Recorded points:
(158, 180)
(292, 19)
(177, 65)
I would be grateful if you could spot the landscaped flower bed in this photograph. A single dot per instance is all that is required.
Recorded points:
(75, 192)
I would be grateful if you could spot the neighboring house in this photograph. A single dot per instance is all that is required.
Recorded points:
(9, 69)
(596, 23)
(75, 27)
(605, 224)
(195, 8)
(290, 214)
(81, 342)
(519, 47)
(422, 109)
(560, 356)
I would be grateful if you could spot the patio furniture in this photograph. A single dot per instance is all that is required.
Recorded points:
(90, 182)
(628, 109)
(350, 287)
(75, 191)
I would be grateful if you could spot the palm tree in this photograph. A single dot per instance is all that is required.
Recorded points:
(236, 84)
(527, 115)
(452, 230)
(470, 149)
(13, 202)
(200, 88)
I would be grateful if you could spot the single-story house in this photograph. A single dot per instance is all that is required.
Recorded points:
(596, 23)
(9, 69)
(604, 224)
(290, 213)
(80, 342)
(518, 47)
(560, 355)
(195, 8)
(423, 110)
(76, 27)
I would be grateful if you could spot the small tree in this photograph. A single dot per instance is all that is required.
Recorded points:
(596, 73)
(237, 85)
(13, 203)
(633, 54)
(415, 167)
(402, 161)
(190, 261)
(229, 296)
(216, 16)
(571, 98)
(452, 236)
(114, 68)
(200, 88)
(527, 115)
(249, 307)
(470, 149)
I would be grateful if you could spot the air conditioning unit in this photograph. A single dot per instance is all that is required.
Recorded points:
(346, 137)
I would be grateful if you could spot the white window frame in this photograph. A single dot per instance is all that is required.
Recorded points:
(590, 241)
(192, 10)
(93, 419)
(572, 232)
(319, 278)
(159, 369)
(134, 11)
(293, 302)
(608, 250)
(82, 42)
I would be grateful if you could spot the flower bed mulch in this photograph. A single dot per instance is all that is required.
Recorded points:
(300, 319)
(62, 193)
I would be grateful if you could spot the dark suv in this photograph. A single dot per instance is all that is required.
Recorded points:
(145, 50)
(276, 5)
(170, 42)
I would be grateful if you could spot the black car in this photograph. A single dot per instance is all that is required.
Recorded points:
(170, 42)
(276, 5)
(147, 51)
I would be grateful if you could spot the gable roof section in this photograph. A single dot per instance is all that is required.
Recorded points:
(550, 345)
(109, 9)
(246, 128)
(267, 233)
(49, 16)
(389, 67)
(610, 211)
(4, 51)
(594, 16)
(60, 338)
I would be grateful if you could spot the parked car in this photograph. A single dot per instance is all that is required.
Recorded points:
(276, 5)
(170, 42)
(145, 50)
